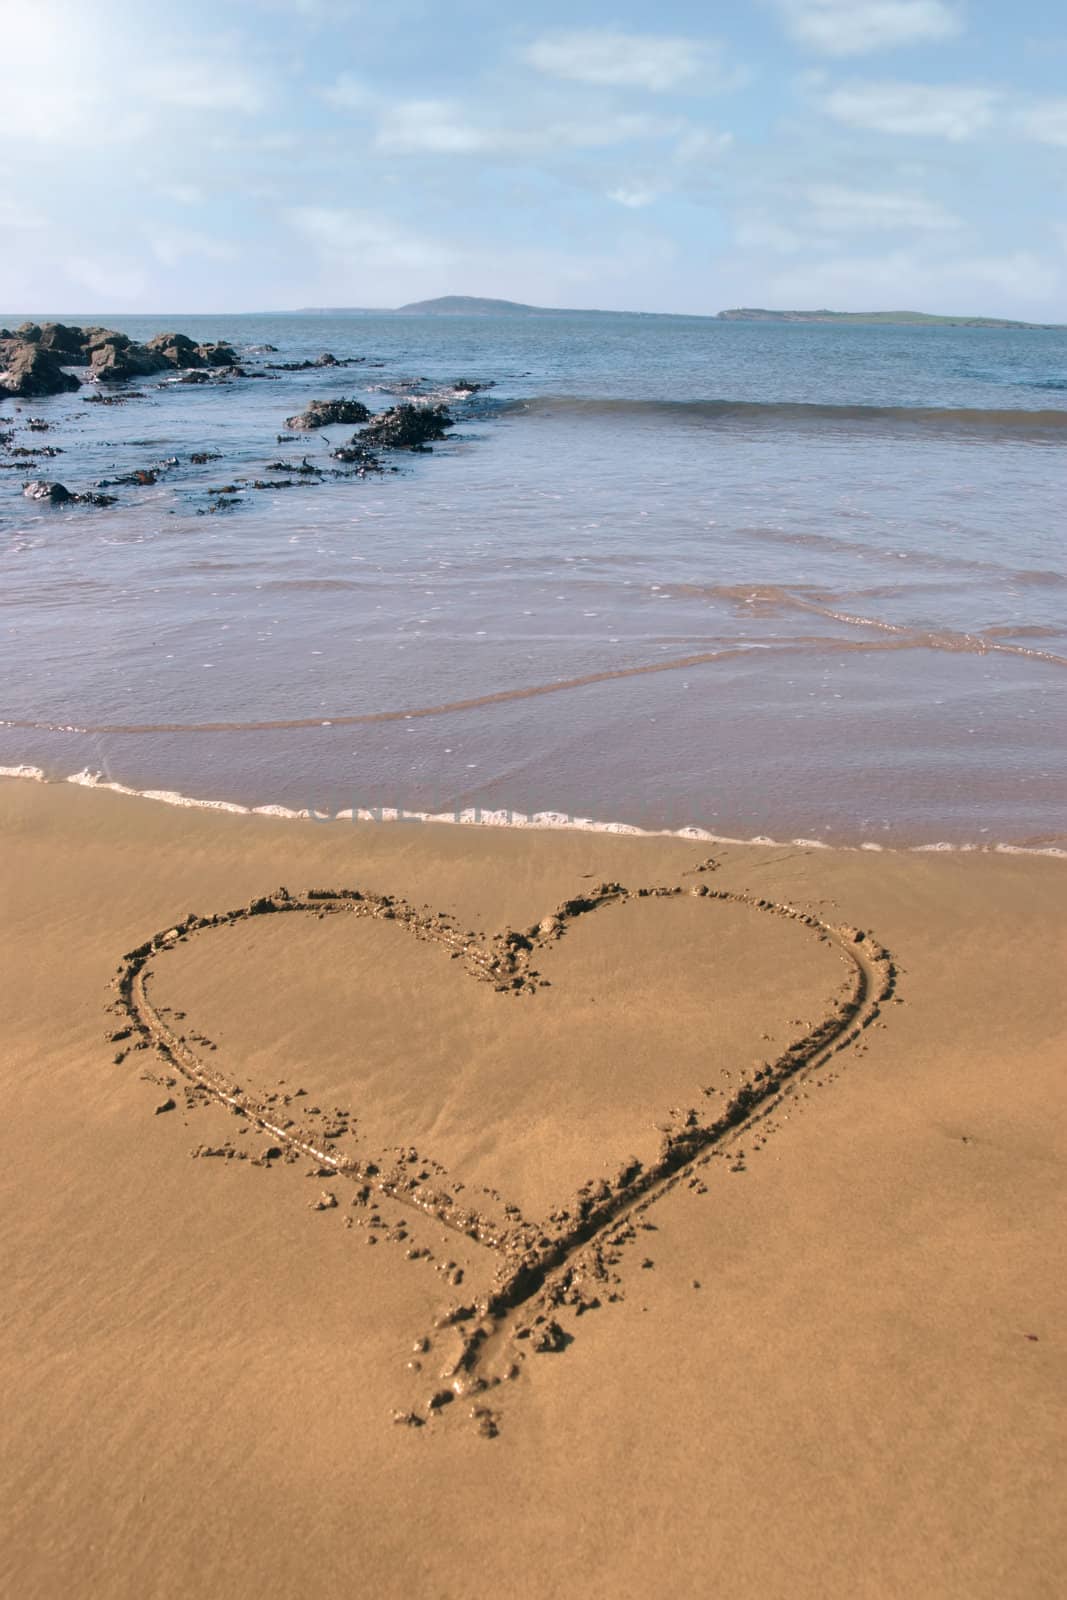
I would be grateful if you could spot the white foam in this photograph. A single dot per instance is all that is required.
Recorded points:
(34, 773)
(475, 816)
(1029, 850)
(168, 797)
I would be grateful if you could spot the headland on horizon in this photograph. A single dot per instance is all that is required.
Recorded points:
(465, 305)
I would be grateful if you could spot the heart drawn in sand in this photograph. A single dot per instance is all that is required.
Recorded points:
(513, 1024)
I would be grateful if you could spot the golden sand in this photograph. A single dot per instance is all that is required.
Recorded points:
(698, 1215)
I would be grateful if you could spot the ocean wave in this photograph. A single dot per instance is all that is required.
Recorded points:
(1048, 424)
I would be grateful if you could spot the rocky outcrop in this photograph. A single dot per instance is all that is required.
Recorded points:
(177, 349)
(407, 427)
(35, 352)
(66, 343)
(57, 494)
(217, 355)
(325, 360)
(28, 371)
(114, 357)
(322, 413)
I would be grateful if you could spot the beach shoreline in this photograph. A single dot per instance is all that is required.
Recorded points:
(505, 817)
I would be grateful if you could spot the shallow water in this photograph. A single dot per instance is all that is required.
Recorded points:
(760, 579)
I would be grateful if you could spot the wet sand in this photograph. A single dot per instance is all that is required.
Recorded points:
(510, 1228)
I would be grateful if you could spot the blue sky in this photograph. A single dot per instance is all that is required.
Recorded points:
(268, 154)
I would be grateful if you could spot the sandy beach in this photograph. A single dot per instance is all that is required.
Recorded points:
(526, 1212)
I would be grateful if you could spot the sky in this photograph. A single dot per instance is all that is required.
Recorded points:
(243, 155)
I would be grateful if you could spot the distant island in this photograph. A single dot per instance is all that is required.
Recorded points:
(454, 305)
(465, 305)
(905, 319)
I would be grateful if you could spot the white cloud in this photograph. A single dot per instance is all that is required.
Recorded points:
(762, 232)
(809, 219)
(360, 239)
(17, 218)
(945, 111)
(434, 126)
(621, 60)
(700, 144)
(1045, 121)
(58, 99)
(332, 12)
(440, 127)
(204, 85)
(859, 27)
(348, 93)
(183, 194)
(903, 280)
(634, 195)
(114, 282)
(254, 144)
(176, 245)
(69, 98)
(602, 133)
(836, 209)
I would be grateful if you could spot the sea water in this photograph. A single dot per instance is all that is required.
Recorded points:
(757, 579)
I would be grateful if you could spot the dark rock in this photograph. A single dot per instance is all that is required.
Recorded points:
(177, 349)
(407, 427)
(325, 360)
(217, 355)
(358, 455)
(322, 413)
(95, 337)
(56, 493)
(67, 343)
(114, 399)
(117, 358)
(143, 478)
(305, 469)
(30, 371)
(466, 386)
(29, 332)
